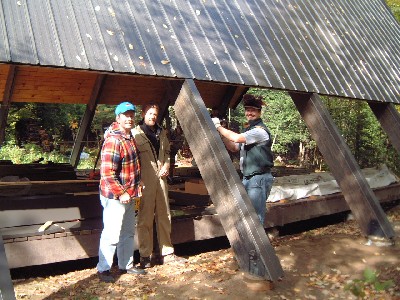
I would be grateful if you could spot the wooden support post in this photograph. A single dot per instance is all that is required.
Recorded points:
(230, 92)
(87, 120)
(357, 193)
(389, 118)
(6, 286)
(5, 104)
(238, 217)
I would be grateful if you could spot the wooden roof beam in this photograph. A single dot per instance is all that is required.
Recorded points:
(246, 234)
(5, 103)
(389, 118)
(172, 89)
(357, 193)
(226, 100)
(87, 119)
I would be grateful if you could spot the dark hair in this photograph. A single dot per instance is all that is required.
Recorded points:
(147, 106)
(250, 100)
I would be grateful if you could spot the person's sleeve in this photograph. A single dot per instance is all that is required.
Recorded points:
(256, 135)
(110, 157)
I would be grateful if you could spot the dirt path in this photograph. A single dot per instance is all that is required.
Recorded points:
(318, 264)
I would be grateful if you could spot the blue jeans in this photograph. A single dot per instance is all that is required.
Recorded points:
(258, 188)
(118, 233)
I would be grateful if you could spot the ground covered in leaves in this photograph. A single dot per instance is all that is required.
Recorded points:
(323, 263)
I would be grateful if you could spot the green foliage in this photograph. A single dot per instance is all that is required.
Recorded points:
(394, 6)
(28, 154)
(32, 153)
(355, 120)
(370, 280)
(283, 120)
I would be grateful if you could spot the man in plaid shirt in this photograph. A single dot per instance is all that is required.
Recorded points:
(120, 183)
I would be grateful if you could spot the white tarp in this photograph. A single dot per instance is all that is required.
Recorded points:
(317, 184)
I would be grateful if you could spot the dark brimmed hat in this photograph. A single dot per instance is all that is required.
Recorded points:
(252, 101)
(124, 107)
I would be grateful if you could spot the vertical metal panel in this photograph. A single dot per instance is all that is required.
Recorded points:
(221, 57)
(69, 35)
(199, 35)
(133, 39)
(155, 55)
(306, 23)
(4, 46)
(353, 41)
(232, 40)
(305, 56)
(94, 34)
(43, 27)
(20, 36)
(112, 46)
(264, 14)
(329, 42)
(373, 44)
(185, 50)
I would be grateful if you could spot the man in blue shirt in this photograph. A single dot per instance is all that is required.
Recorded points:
(256, 158)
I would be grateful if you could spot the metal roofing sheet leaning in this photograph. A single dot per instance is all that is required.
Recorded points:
(342, 48)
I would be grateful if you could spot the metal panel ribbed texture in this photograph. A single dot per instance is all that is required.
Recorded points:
(340, 48)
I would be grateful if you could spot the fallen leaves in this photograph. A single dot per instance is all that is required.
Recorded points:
(210, 275)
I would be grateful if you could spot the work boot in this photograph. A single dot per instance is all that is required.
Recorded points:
(145, 262)
(172, 258)
(156, 260)
(105, 276)
(133, 270)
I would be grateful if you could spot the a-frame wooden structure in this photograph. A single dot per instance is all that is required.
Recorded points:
(202, 54)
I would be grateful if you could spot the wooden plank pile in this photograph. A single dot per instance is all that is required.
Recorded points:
(54, 211)
(37, 171)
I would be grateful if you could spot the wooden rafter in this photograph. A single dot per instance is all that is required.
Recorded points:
(223, 107)
(87, 119)
(389, 118)
(359, 196)
(5, 103)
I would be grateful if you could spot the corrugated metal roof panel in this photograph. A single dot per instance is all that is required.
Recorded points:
(68, 33)
(95, 41)
(19, 32)
(4, 46)
(341, 48)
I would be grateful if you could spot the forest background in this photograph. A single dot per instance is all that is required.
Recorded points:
(46, 132)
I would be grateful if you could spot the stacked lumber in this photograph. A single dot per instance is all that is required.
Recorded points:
(37, 171)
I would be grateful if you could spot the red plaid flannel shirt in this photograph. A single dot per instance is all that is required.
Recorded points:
(120, 165)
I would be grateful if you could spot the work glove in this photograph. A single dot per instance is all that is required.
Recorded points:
(216, 122)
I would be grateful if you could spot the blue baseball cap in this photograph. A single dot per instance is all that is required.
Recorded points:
(124, 107)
